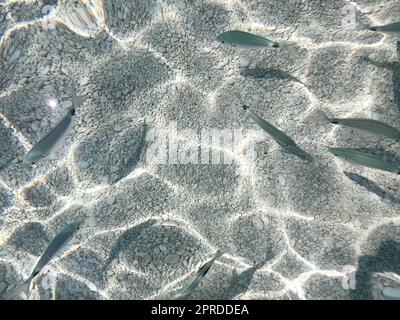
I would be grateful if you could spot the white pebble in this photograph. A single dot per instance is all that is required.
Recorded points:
(146, 260)
(172, 258)
(219, 66)
(46, 9)
(110, 200)
(345, 216)
(281, 180)
(258, 223)
(230, 81)
(82, 164)
(84, 81)
(44, 70)
(190, 263)
(92, 287)
(15, 56)
(244, 62)
(35, 126)
(232, 247)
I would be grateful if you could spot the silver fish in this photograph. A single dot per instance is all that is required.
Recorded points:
(365, 159)
(52, 141)
(368, 125)
(52, 249)
(191, 285)
(274, 132)
(246, 40)
(392, 27)
(280, 137)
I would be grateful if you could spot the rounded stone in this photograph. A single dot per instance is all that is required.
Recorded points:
(244, 62)
(172, 258)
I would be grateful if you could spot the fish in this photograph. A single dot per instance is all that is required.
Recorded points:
(280, 137)
(52, 249)
(365, 159)
(368, 125)
(194, 281)
(52, 141)
(392, 27)
(246, 40)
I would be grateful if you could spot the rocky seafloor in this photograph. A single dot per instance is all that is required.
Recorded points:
(290, 229)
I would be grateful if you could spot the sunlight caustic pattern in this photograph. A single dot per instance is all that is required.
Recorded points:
(295, 225)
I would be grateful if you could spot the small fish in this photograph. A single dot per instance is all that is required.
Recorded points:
(281, 138)
(274, 132)
(52, 249)
(392, 27)
(55, 137)
(191, 285)
(368, 125)
(365, 159)
(246, 40)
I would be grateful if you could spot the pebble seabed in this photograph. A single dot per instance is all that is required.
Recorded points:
(290, 229)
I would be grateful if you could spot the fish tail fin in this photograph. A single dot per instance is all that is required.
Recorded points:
(16, 292)
(324, 118)
(245, 107)
(329, 120)
(364, 27)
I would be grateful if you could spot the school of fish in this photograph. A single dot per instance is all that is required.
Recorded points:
(238, 39)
